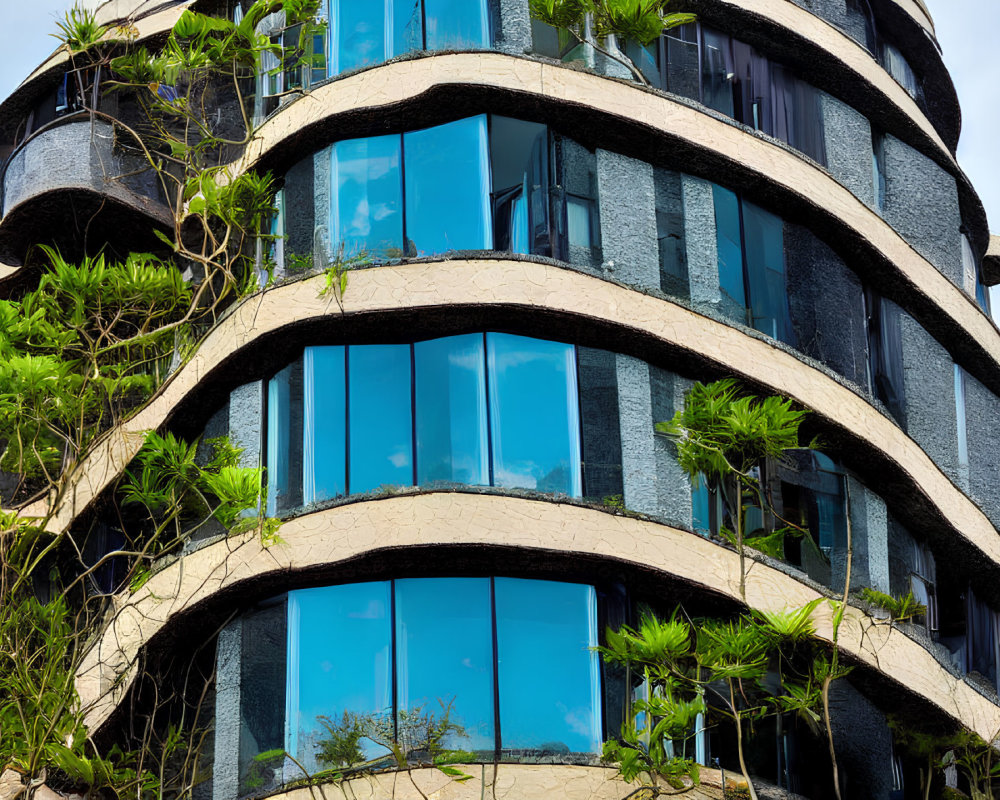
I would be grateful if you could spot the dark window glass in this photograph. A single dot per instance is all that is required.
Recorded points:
(519, 152)
(763, 236)
(444, 660)
(647, 59)
(456, 24)
(683, 76)
(262, 674)
(451, 410)
(670, 234)
(602, 446)
(339, 640)
(878, 170)
(885, 353)
(380, 417)
(728, 239)
(360, 34)
(962, 423)
(859, 13)
(534, 414)
(448, 188)
(284, 439)
(325, 428)
(548, 674)
(900, 69)
(718, 73)
(366, 203)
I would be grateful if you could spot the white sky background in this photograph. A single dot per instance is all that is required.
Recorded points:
(968, 30)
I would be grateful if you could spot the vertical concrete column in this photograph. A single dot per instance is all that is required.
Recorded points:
(635, 418)
(848, 136)
(627, 196)
(870, 541)
(323, 246)
(246, 427)
(512, 23)
(673, 488)
(700, 241)
(228, 656)
(929, 386)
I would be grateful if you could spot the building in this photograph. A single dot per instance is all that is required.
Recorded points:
(559, 252)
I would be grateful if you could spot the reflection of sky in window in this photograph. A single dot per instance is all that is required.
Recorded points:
(324, 432)
(448, 187)
(380, 417)
(365, 204)
(534, 414)
(765, 254)
(360, 34)
(730, 252)
(456, 24)
(451, 410)
(444, 654)
(549, 681)
(338, 660)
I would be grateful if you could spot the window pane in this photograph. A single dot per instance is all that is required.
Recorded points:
(365, 209)
(718, 73)
(325, 425)
(534, 414)
(728, 241)
(765, 254)
(519, 155)
(578, 213)
(960, 415)
(407, 28)
(682, 62)
(339, 660)
(381, 425)
(359, 34)
(456, 24)
(451, 410)
(448, 188)
(284, 439)
(444, 656)
(549, 683)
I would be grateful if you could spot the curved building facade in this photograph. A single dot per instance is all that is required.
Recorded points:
(463, 449)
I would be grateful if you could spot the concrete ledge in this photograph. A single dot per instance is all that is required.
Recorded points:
(991, 262)
(541, 288)
(528, 781)
(301, 124)
(356, 530)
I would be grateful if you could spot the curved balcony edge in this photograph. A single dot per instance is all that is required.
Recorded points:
(631, 113)
(622, 314)
(351, 532)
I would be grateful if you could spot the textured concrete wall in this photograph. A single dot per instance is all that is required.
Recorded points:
(226, 773)
(902, 547)
(826, 302)
(673, 488)
(700, 242)
(635, 415)
(217, 425)
(512, 27)
(628, 220)
(848, 147)
(929, 384)
(983, 436)
(245, 423)
(921, 203)
(870, 539)
(863, 743)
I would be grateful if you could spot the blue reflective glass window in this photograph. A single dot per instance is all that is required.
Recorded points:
(730, 250)
(534, 414)
(548, 675)
(451, 410)
(701, 502)
(456, 24)
(407, 25)
(339, 660)
(763, 236)
(366, 203)
(284, 439)
(448, 188)
(359, 38)
(444, 658)
(380, 418)
(324, 427)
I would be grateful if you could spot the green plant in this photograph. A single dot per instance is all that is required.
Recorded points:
(899, 608)
(641, 21)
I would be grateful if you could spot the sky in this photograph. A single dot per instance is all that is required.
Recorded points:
(968, 31)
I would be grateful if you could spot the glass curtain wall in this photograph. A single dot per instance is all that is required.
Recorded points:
(509, 662)
(735, 79)
(490, 409)
(480, 183)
